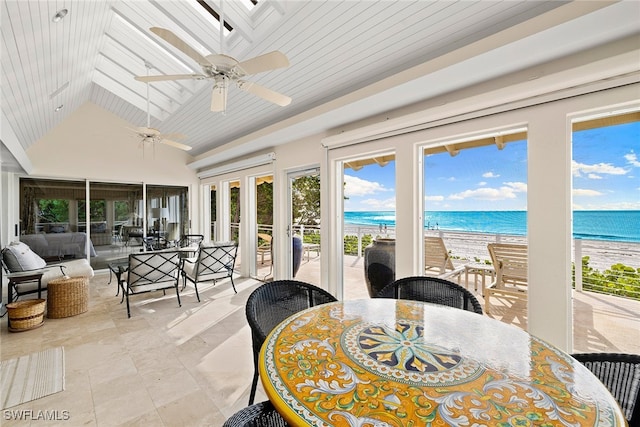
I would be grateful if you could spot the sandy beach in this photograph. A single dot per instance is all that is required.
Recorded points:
(473, 246)
(602, 254)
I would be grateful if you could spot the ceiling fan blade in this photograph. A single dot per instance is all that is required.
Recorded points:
(264, 93)
(268, 61)
(175, 144)
(176, 42)
(148, 131)
(169, 77)
(173, 136)
(218, 99)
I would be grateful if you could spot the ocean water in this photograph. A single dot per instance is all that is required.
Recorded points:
(621, 226)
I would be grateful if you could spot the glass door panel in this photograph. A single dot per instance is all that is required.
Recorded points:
(264, 227)
(167, 215)
(304, 225)
(114, 227)
(475, 216)
(369, 215)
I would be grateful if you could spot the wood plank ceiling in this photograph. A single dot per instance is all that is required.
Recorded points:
(334, 48)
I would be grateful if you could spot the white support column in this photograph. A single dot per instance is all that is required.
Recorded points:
(408, 234)
(549, 227)
(248, 226)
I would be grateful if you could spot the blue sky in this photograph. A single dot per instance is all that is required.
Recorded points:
(606, 176)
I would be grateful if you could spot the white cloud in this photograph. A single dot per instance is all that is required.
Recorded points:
(380, 205)
(632, 159)
(489, 175)
(359, 187)
(594, 176)
(599, 168)
(482, 183)
(433, 198)
(518, 187)
(586, 192)
(507, 191)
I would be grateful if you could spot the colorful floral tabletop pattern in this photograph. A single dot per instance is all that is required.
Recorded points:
(382, 362)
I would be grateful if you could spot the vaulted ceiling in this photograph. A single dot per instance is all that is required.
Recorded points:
(335, 48)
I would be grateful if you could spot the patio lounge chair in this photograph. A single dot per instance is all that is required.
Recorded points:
(510, 263)
(437, 259)
(264, 246)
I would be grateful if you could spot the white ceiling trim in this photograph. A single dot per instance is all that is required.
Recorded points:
(12, 143)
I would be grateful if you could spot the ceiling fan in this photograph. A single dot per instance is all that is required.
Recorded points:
(224, 69)
(149, 135)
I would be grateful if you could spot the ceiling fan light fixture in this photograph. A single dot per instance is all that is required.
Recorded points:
(60, 15)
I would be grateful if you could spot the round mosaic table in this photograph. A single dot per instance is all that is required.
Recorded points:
(399, 363)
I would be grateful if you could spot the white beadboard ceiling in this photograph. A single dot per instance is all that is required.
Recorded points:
(334, 48)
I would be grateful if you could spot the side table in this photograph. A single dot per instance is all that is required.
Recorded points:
(478, 269)
(24, 277)
(67, 296)
(118, 267)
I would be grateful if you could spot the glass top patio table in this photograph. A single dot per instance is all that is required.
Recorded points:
(398, 363)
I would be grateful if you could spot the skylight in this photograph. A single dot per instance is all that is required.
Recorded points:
(249, 4)
(208, 12)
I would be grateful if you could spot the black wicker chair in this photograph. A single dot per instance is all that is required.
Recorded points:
(620, 373)
(433, 290)
(272, 303)
(261, 414)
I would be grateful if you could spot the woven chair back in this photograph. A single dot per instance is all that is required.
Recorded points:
(620, 373)
(433, 290)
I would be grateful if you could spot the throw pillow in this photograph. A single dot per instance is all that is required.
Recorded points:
(19, 257)
(56, 229)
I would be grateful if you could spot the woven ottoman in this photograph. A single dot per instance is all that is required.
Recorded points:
(25, 315)
(67, 296)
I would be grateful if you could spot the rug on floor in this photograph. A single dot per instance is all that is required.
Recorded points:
(32, 376)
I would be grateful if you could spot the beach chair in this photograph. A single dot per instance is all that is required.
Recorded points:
(437, 259)
(264, 246)
(510, 263)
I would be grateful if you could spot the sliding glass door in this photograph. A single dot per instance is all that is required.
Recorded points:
(60, 219)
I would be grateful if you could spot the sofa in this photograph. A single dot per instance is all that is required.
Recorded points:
(59, 245)
(18, 257)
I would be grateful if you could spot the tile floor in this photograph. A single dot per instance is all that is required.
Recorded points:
(192, 365)
(165, 366)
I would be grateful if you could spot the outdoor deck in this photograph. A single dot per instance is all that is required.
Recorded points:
(602, 323)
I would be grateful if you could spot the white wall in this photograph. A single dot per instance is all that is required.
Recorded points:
(549, 197)
(94, 144)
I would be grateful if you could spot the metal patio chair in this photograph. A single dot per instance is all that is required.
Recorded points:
(151, 271)
(212, 262)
